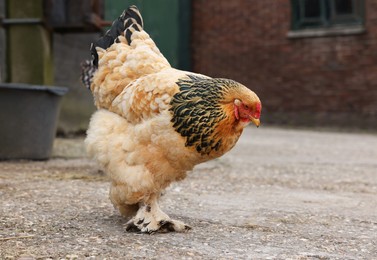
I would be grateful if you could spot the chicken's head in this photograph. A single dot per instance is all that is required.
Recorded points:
(248, 109)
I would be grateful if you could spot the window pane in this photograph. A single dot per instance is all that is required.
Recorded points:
(312, 8)
(346, 12)
(344, 7)
(308, 14)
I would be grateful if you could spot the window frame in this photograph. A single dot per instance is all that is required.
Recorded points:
(299, 22)
(357, 17)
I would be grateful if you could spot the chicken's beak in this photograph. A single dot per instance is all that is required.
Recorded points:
(255, 121)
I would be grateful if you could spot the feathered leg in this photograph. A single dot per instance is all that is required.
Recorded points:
(150, 219)
(118, 194)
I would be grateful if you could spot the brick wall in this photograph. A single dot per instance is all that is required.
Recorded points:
(329, 81)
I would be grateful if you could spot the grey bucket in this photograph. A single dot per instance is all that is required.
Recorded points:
(28, 120)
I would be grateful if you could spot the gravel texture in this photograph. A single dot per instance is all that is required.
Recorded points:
(279, 194)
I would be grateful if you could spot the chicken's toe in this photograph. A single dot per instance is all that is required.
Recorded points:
(173, 226)
(131, 227)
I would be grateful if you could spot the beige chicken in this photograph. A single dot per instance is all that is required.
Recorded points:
(155, 123)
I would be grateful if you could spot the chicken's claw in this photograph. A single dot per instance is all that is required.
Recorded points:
(152, 226)
(131, 227)
(166, 226)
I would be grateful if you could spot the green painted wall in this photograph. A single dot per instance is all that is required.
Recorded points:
(166, 21)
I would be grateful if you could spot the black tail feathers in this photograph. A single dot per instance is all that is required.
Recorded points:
(129, 21)
(130, 18)
(133, 12)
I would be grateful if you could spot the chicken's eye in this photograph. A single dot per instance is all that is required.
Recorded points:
(246, 106)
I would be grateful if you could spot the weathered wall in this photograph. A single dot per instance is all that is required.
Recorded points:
(29, 57)
(77, 105)
(310, 81)
(68, 51)
(2, 45)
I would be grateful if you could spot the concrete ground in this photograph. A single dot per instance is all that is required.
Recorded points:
(280, 194)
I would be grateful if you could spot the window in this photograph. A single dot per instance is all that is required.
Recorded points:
(314, 14)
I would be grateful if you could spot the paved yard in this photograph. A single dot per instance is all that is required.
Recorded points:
(280, 194)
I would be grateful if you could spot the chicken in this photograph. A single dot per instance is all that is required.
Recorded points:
(154, 123)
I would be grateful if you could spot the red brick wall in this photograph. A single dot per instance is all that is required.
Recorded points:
(311, 81)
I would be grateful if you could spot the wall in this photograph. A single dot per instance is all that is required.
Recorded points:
(2, 45)
(69, 50)
(323, 81)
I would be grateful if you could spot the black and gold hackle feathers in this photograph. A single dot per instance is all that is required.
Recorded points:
(196, 111)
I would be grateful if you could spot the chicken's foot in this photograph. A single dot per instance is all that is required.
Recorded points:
(151, 219)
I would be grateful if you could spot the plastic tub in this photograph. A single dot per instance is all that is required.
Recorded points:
(28, 120)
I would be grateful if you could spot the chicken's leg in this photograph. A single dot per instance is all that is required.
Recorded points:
(150, 219)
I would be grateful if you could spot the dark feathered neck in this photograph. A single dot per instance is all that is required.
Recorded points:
(198, 109)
